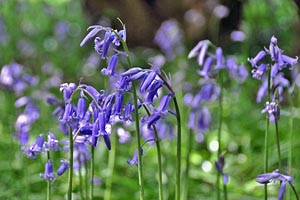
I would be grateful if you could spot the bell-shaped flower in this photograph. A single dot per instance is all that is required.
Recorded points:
(49, 176)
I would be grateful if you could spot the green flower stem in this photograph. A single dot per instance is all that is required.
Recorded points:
(92, 172)
(225, 191)
(138, 138)
(290, 148)
(294, 190)
(291, 124)
(220, 106)
(137, 123)
(187, 164)
(178, 146)
(178, 164)
(110, 168)
(49, 188)
(267, 135)
(157, 142)
(278, 146)
(70, 179)
(86, 167)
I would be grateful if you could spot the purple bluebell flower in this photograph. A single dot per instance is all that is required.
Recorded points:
(257, 58)
(152, 91)
(67, 89)
(102, 45)
(118, 104)
(81, 108)
(160, 112)
(63, 167)
(49, 176)
(132, 71)
(110, 70)
(204, 120)
(259, 71)
(205, 72)
(290, 61)
(124, 136)
(25, 119)
(68, 114)
(128, 109)
(122, 34)
(147, 81)
(219, 58)
(199, 50)
(134, 159)
(273, 110)
(95, 30)
(276, 176)
(220, 166)
(35, 148)
(13, 78)
(51, 143)
(169, 38)
(209, 92)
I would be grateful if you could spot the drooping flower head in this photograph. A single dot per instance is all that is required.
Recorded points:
(49, 176)
(276, 176)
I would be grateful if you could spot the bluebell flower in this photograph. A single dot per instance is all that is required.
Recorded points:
(67, 89)
(25, 119)
(159, 112)
(220, 166)
(169, 38)
(153, 91)
(276, 176)
(205, 72)
(110, 70)
(128, 109)
(68, 114)
(51, 143)
(35, 148)
(13, 78)
(124, 136)
(81, 108)
(279, 60)
(95, 30)
(254, 61)
(273, 110)
(209, 92)
(117, 108)
(259, 71)
(219, 59)
(147, 81)
(200, 51)
(49, 176)
(63, 167)
(262, 91)
(102, 45)
(135, 159)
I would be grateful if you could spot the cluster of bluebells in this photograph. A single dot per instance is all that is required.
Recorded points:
(209, 90)
(92, 117)
(14, 78)
(276, 176)
(279, 62)
(42, 146)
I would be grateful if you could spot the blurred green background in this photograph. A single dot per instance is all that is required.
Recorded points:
(45, 33)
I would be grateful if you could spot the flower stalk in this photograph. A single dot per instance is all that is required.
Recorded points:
(70, 178)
